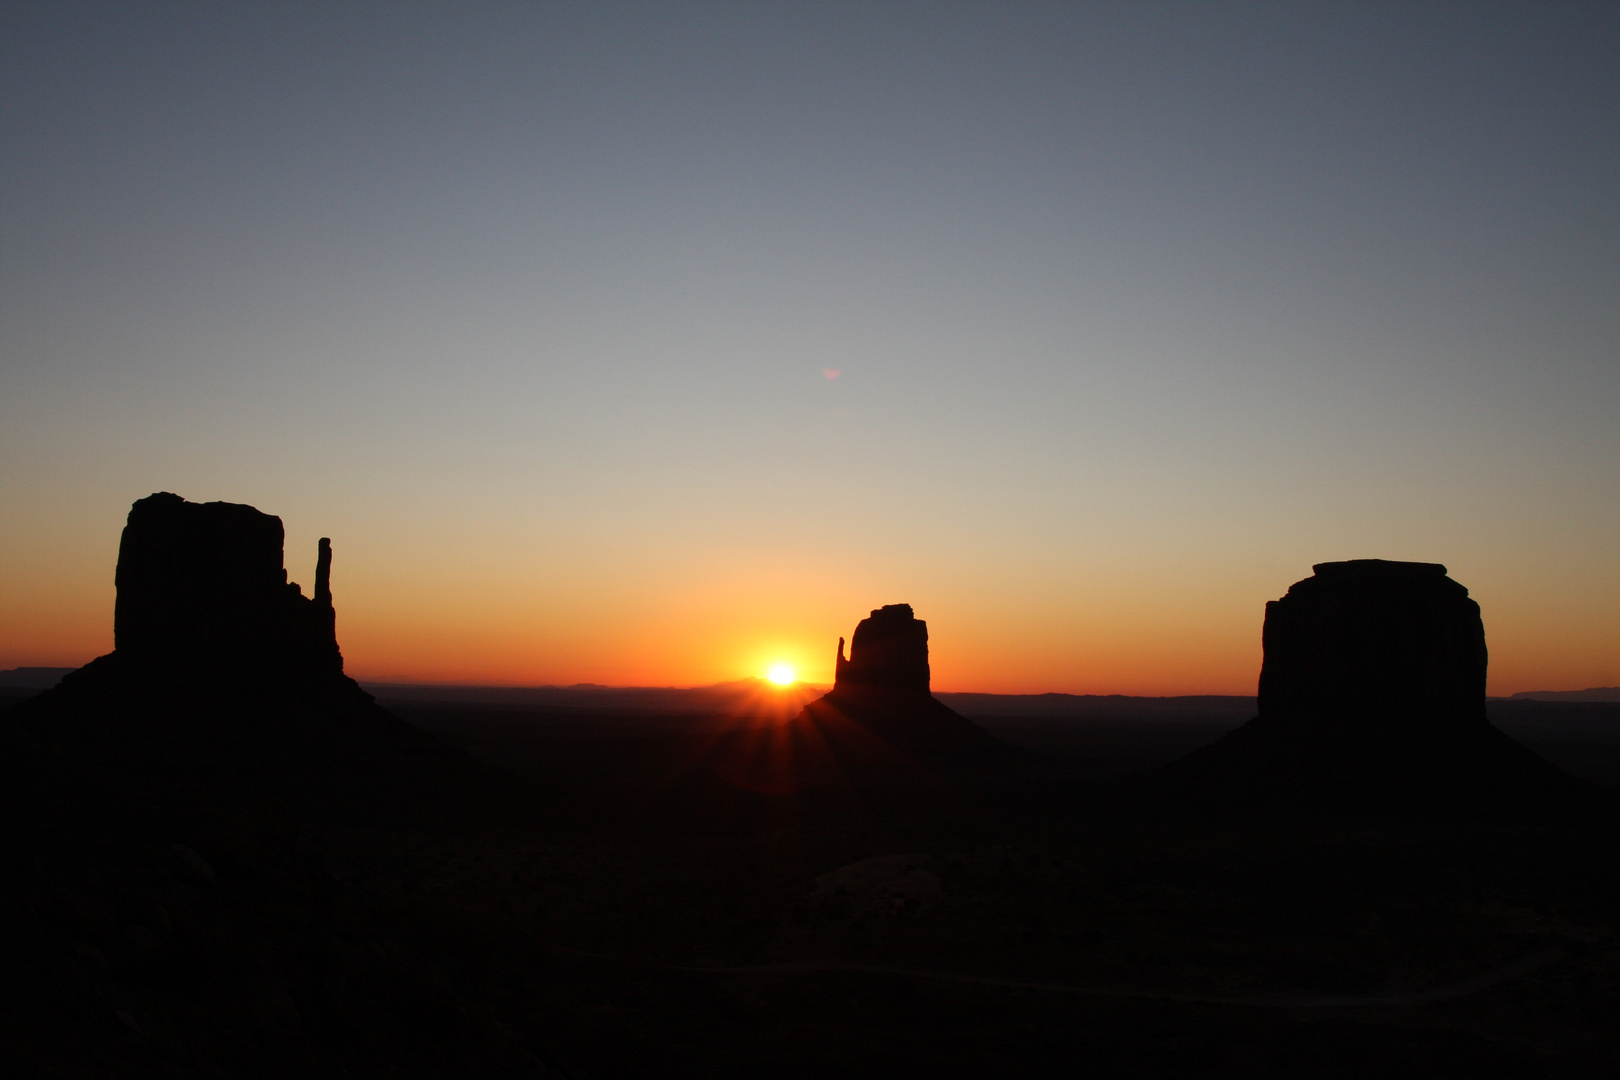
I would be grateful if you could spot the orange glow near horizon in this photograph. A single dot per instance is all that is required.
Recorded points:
(781, 674)
(645, 379)
(409, 613)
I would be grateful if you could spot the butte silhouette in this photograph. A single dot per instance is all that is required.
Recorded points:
(1372, 686)
(211, 638)
(881, 715)
(204, 603)
(172, 798)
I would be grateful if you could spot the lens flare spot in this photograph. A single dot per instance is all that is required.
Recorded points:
(780, 674)
(831, 372)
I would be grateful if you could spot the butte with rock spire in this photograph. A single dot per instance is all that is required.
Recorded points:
(880, 708)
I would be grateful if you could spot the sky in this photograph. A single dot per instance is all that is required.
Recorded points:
(654, 343)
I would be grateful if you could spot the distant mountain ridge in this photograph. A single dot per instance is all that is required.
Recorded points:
(598, 695)
(33, 678)
(1595, 693)
(589, 695)
(1113, 706)
(720, 695)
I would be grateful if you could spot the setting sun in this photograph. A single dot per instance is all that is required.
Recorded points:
(780, 674)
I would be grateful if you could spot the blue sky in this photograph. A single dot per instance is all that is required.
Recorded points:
(1138, 310)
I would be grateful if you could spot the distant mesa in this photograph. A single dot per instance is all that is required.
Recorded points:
(880, 718)
(1373, 678)
(204, 604)
(889, 651)
(1372, 645)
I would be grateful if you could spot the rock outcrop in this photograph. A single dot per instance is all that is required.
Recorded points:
(203, 595)
(880, 723)
(178, 795)
(1372, 687)
(889, 651)
(1371, 644)
(204, 606)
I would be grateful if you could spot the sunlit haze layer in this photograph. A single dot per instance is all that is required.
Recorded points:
(659, 343)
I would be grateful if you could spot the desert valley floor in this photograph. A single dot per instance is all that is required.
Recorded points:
(601, 892)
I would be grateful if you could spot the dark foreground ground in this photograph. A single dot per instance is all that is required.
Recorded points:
(600, 893)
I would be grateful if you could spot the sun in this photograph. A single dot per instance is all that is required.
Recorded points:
(780, 674)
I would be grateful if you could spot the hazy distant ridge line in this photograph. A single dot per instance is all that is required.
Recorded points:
(1595, 693)
(597, 695)
(590, 695)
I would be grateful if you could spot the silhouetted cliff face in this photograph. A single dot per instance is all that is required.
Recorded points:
(1372, 689)
(202, 592)
(879, 723)
(182, 771)
(1374, 643)
(204, 604)
(889, 651)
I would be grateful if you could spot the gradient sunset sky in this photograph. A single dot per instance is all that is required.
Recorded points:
(652, 343)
